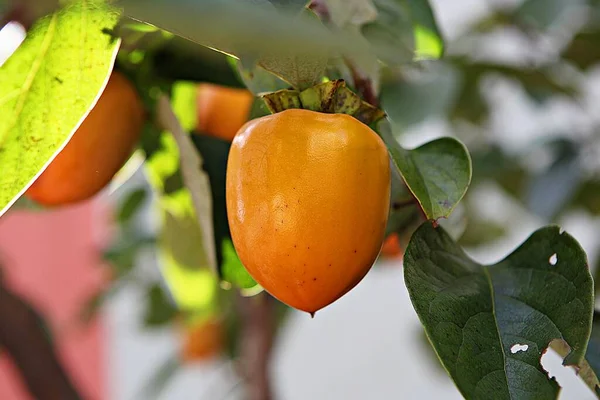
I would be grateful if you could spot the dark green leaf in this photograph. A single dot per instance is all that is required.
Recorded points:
(438, 173)
(475, 315)
(592, 354)
(123, 253)
(183, 60)
(131, 205)
(63, 64)
(160, 309)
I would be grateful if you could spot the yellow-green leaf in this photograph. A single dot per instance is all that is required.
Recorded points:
(47, 88)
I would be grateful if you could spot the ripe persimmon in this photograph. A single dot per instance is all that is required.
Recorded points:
(202, 340)
(391, 247)
(97, 150)
(307, 199)
(222, 110)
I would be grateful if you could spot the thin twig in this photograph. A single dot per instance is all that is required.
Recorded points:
(194, 177)
(23, 337)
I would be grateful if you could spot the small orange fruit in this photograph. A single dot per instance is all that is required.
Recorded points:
(391, 247)
(97, 150)
(307, 199)
(202, 340)
(222, 110)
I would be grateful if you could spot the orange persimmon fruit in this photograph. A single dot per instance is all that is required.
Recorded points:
(391, 247)
(222, 110)
(97, 150)
(203, 340)
(308, 200)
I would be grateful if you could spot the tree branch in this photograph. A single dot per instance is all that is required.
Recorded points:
(23, 337)
(256, 343)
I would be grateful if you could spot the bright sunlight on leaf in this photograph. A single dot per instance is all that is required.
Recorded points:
(48, 86)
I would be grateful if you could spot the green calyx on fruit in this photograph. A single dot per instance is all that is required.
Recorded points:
(332, 97)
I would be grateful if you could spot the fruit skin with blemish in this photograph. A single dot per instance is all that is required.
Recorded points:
(98, 149)
(308, 200)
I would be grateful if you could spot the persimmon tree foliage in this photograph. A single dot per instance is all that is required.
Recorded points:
(203, 68)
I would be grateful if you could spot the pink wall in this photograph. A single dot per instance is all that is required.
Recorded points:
(53, 259)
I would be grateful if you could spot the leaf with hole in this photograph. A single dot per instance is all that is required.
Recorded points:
(63, 64)
(490, 324)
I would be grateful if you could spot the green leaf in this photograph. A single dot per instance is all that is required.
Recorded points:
(131, 204)
(215, 153)
(165, 176)
(592, 355)
(542, 14)
(232, 268)
(183, 98)
(47, 88)
(122, 254)
(393, 26)
(160, 309)
(589, 368)
(428, 39)
(349, 13)
(475, 315)
(258, 80)
(437, 173)
(300, 69)
(412, 98)
(192, 284)
(405, 215)
(242, 28)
